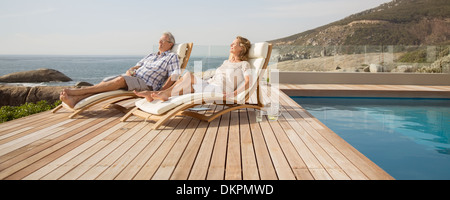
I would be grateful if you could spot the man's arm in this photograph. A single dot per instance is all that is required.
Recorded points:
(170, 81)
(174, 71)
(131, 72)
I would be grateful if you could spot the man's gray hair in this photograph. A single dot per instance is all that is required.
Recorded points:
(171, 37)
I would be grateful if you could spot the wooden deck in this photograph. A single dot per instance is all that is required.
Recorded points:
(96, 145)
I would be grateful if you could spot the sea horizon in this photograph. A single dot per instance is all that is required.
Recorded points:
(86, 68)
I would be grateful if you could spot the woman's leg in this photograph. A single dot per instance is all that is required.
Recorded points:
(182, 86)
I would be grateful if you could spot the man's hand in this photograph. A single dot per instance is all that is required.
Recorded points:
(132, 71)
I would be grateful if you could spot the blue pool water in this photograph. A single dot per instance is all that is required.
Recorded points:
(408, 138)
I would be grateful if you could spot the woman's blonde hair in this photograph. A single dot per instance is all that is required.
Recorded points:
(245, 44)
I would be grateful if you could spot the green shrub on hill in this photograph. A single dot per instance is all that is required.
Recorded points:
(417, 56)
(403, 11)
(8, 113)
(387, 34)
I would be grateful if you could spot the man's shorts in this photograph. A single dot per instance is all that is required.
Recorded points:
(137, 84)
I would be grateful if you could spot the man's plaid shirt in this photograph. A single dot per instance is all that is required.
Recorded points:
(155, 69)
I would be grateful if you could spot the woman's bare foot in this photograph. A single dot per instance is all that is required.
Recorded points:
(146, 94)
(161, 96)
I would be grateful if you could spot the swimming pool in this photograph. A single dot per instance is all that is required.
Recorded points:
(408, 138)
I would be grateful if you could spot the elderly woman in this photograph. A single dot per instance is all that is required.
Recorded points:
(232, 73)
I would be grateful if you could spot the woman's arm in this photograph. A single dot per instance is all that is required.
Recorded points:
(240, 89)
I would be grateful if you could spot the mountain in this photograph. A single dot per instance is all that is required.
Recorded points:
(400, 22)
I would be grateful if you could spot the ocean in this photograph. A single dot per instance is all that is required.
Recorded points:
(91, 69)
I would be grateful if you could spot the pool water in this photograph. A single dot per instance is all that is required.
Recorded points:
(408, 138)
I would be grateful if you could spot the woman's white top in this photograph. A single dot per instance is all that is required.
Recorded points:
(230, 75)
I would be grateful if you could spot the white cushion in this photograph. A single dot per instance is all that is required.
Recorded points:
(159, 107)
(95, 97)
(180, 49)
(258, 50)
(257, 57)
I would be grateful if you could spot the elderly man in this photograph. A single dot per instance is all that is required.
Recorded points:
(154, 72)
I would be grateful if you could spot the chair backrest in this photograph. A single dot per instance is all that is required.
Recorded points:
(259, 57)
(183, 50)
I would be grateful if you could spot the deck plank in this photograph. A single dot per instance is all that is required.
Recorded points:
(73, 153)
(204, 154)
(157, 137)
(34, 149)
(216, 170)
(279, 160)
(54, 152)
(265, 165)
(151, 166)
(180, 148)
(114, 151)
(249, 164)
(233, 160)
(186, 162)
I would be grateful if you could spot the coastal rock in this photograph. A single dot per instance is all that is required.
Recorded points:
(374, 68)
(13, 96)
(35, 76)
(18, 95)
(47, 93)
(82, 84)
(403, 68)
(366, 69)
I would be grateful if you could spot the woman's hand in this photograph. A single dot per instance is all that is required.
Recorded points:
(229, 95)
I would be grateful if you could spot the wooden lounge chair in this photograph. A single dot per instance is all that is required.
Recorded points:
(179, 105)
(184, 52)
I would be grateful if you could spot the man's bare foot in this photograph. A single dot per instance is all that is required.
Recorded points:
(146, 94)
(72, 92)
(160, 95)
(68, 100)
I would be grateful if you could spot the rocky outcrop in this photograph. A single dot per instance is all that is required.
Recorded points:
(13, 95)
(442, 65)
(18, 95)
(35, 76)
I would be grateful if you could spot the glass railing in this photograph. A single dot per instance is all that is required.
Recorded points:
(364, 59)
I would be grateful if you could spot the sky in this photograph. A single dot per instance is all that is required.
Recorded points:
(133, 27)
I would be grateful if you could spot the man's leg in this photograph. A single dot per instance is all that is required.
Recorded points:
(72, 96)
(115, 84)
(71, 101)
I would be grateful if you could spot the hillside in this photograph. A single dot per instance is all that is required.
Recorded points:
(400, 22)
(407, 34)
